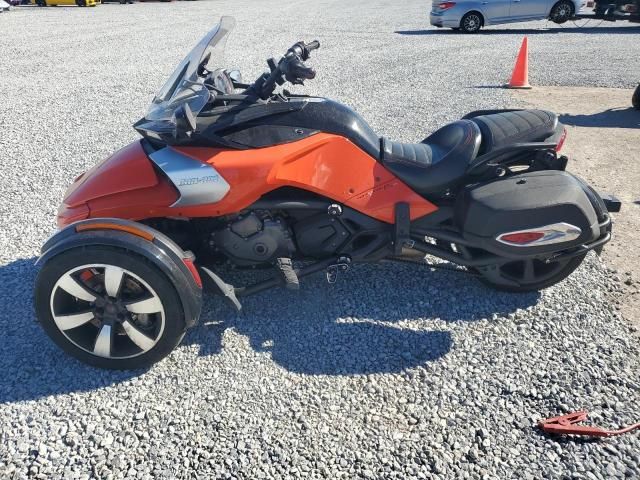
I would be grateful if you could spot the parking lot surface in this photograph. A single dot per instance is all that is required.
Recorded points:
(396, 371)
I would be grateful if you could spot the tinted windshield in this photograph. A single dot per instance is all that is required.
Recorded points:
(186, 83)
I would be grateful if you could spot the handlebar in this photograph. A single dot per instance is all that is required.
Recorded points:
(291, 68)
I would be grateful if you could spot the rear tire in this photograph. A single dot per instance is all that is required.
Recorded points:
(133, 323)
(635, 100)
(543, 275)
(561, 12)
(471, 22)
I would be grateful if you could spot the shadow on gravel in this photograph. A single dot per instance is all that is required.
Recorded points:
(611, 118)
(377, 319)
(527, 31)
(31, 365)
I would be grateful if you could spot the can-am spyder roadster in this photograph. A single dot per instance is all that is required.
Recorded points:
(233, 173)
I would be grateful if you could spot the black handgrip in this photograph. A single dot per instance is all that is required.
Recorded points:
(312, 45)
(296, 70)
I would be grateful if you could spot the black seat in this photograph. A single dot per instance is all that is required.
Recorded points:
(518, 126)
(439, 162)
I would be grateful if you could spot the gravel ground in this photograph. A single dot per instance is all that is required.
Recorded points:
(394, 372)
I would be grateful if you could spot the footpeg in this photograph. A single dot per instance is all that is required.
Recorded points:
(342, 265)
(285, 265)
(224, 289)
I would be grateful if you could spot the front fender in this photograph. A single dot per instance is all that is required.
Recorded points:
(138, 239)
(125, 185)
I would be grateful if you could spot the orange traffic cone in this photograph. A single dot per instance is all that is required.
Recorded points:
(520, 75)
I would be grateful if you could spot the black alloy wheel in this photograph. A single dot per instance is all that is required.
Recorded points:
(528, 275)
(109, 308)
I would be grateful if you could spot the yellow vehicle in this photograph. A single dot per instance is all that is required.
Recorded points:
(80, 3)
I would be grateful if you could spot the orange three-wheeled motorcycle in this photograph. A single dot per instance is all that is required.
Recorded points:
(233, 173)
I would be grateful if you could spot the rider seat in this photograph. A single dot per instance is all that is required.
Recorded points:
(439, 163)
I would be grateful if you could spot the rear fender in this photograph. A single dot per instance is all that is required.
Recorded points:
(138, 239)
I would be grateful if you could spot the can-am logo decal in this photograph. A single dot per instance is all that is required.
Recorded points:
(197, 180)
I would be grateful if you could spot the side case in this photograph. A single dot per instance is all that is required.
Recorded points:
(528, 201)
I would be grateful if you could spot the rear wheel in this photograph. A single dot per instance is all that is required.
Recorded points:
(109, 308)
(528, 275)
(561, 12)
(471, 22)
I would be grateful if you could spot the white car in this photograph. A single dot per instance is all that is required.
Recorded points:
(471, 15)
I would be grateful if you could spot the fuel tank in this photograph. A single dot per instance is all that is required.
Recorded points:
(315, 115)
(126, 181)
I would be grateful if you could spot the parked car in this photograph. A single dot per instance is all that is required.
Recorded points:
(80, 3)
(471, 15)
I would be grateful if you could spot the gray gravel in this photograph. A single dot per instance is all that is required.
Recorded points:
(394, 372)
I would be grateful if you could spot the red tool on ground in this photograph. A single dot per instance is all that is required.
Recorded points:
(566, 425)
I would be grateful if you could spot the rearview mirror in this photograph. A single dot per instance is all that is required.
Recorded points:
(235, 76)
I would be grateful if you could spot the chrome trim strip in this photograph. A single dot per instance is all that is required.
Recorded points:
(554, 233)
(198, 182)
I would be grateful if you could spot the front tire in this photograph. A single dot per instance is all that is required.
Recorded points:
(471, 22)
(561, 12)
(108, 307)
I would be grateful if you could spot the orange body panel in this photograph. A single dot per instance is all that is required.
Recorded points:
(326, 164)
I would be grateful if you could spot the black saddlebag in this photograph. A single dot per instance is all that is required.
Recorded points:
(522, 203)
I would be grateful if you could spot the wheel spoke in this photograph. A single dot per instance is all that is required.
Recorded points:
(113, 280)
(102, 347)
(150, 305)
(529, 274)
(67, 322)
(137, 337)
(73, 287)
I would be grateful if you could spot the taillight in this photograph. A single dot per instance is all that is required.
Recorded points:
(446, 5)
(563, 137)
(535, 237)
(521, 238)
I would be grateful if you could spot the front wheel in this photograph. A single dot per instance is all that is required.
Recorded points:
(109, 308)
(528, 275)
(471, 22)
(561, 12)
